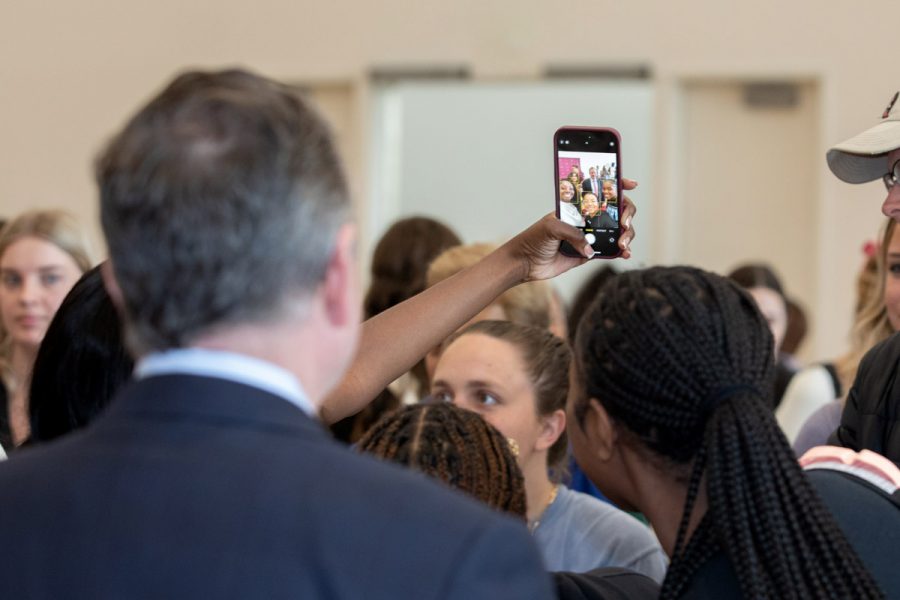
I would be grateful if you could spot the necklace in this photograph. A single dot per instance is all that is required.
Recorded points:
(532, 525)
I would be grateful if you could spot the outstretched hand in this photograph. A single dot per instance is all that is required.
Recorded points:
(538, 246)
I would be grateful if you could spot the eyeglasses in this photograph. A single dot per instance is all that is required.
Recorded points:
(893, 178)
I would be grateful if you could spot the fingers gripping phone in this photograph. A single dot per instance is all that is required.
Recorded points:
(587, 165)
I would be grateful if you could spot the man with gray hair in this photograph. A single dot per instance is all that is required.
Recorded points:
(232, 262)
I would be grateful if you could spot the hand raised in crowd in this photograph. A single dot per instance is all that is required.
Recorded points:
(538, 246)
(429, 317)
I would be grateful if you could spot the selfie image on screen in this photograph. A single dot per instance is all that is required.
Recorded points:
(587, 191)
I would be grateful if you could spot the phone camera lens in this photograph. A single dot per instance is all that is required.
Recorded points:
(612, 144)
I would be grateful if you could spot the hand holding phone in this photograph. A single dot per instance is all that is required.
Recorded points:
(587, 168)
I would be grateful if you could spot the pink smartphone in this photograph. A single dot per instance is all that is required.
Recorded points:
(588, 166)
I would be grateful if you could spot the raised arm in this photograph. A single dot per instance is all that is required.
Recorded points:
(394, 340)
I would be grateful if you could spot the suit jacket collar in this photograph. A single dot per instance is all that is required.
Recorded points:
(194, 397)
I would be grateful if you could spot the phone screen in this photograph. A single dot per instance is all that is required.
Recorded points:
(588, 190)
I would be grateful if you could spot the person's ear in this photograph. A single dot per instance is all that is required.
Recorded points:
(112, 285)
(552, 426)
(600, 431)
(338, 288)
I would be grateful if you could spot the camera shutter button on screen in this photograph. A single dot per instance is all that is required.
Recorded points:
(591, 238)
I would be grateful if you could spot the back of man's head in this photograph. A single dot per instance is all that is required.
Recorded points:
(220, 201)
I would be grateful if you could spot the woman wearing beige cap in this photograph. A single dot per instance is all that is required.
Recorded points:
(873, 154)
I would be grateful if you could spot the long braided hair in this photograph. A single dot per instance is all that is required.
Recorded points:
(454, 445)
(683, 360)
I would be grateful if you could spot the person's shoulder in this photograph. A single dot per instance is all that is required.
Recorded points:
(810, 389)
(862, 491)
(352, 511)
(884, 352)
(876, 369)
(479, 552)
(716, 578)
(387, 492)
(605, 582)
(604, 519)
(615, 537)
(587, 503)
(811, 376)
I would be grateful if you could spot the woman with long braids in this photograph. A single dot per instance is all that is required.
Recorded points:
(669, 415)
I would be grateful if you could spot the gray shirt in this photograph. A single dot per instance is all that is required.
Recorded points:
(579, 532)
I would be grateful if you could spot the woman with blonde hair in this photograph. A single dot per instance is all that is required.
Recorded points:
(526, 304)
(42, 255)
(812, 404)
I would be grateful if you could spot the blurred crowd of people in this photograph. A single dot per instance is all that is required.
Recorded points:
(163, 411)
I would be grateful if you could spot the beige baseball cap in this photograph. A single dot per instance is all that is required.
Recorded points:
(861, 158)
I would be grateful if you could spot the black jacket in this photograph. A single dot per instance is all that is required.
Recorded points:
(872, 411)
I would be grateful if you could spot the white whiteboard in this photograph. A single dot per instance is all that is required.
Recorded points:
(479, 156)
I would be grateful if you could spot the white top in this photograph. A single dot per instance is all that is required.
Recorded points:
(809, 390)
(230, 366)
(569, 214)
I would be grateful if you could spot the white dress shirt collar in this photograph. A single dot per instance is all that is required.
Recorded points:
(231, 366)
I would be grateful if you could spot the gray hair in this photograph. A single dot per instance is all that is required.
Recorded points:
(220, 201)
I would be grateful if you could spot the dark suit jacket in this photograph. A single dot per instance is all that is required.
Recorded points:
(192, 487)
(588, 186)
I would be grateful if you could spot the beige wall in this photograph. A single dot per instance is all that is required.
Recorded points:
(70, 73)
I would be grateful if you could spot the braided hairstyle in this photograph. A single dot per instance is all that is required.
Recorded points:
(681, 358)
(454, 445)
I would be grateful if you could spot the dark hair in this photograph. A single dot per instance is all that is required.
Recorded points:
(224, 178)
(80, 364)
(796, 329)
(547, 359)
(682, 360)
(401, 258)
(757, 276)
(454, 445)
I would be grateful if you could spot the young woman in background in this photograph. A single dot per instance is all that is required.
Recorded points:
(42, 255)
